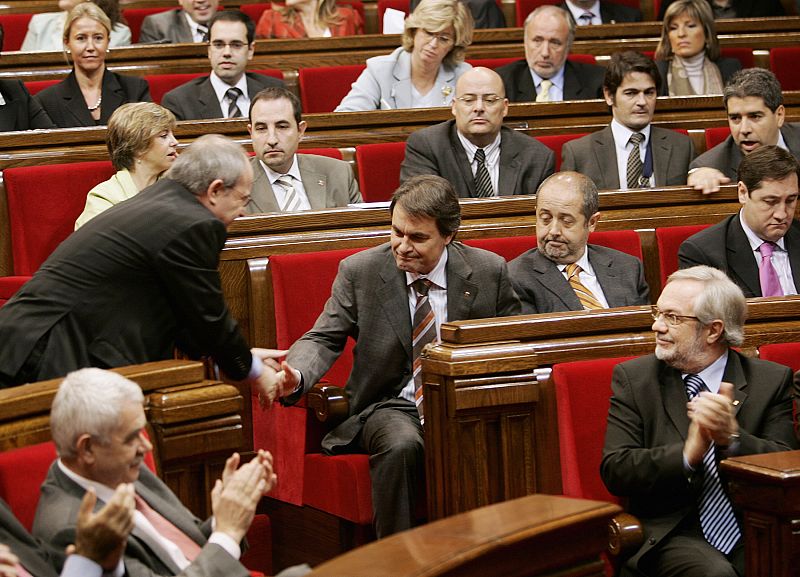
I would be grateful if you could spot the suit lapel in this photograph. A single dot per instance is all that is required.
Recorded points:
(13, 534)
(739, 257)
(526, 91)
(792, 245)
(393, 299)
(315, 183)
(113, 96)
(661, 155)
(572, 84)
(509, 165)
(461, 160)
(553, 280)
(207, 99)
(735, 375)
(74, 104)
(673, 393)
(606, 276)
(461, 291)
(262, 196)
(400, 95)
(605, 155)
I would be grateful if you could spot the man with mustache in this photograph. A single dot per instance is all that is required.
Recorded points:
(630, 152)
(676, 413)
(564, 272)
(759, 247)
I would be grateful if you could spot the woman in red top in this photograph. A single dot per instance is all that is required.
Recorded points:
(309, 19)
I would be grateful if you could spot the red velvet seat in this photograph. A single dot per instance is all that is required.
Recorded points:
(160, 84)
(509, 247)
(716, 134)
(9, 285)
(322, 88)
(783, 62)
(401, 5)
(15, 27)
(743, 55)
(379, 169)
(135, 16)
(43, 204)
(492, 63)
(555, 142)
(784, 353)
(36, 86)
(668, 240)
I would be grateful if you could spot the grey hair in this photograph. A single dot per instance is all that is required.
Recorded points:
(721, 298)
(556, 11)
(89, 401)
(207, 159)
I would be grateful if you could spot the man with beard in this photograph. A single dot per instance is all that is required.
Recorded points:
(565, 273)
(676, 413)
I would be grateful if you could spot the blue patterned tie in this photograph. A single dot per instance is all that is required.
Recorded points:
(717, 519)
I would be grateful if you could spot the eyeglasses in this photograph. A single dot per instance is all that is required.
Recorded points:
(442, 39)
(235, 46)
(671, 319)
(489, 100)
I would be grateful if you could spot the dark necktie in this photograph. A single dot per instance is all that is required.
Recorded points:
(232, 95)
(717, 519)
(585, 19)
(767, 275)
(483, 182)
(634, 171)
(203, 32)
(422, 334)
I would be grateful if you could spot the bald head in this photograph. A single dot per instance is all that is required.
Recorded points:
(480, 105)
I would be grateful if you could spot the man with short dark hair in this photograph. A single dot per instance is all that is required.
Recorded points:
(675, 414)
(758, 247)
(284, 180)
(631, 152)
(564, 272)
(189, 23)
(227, 91)
(753, 101)
(392, 299)
(475, 152)
(546, 74)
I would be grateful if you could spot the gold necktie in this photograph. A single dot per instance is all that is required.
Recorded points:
(588, 300)
(544, 91)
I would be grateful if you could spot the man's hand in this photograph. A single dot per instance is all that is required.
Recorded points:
(8, 562)
(713, 413)
(269, 356)
(696, 445)
(275, 383)
(102, 536)
(706, 179)
(234, 501)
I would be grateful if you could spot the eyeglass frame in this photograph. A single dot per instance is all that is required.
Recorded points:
(234, 45)
(670, 319)
(489, 100)
(441, 39)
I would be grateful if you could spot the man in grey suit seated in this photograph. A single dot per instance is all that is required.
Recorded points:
(758, 247)
(227, 91)
(753, 101)
(546, 75)
(189, 23)
(98, 425)
(285, 181)
(475, 152)
(564, 272)
(631, 152)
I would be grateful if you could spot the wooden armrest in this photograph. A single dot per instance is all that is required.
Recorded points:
(625, 534)
(329, 403)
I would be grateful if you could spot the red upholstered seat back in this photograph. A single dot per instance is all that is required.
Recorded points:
(715, 135)
(379, 169)
(555, 142)
(743, 55)
(783, 62)
(22, 472)
(135, 17)
(36, 86)
(509, 247)
(15, 26)
(322, 88)
(583, 58)
(9, 285)
(784, 353)
(583, 390)
(669, 240)
(43, 204)
(160, 84)
(332, 152)
(626, 241)
(491, 62)
(401, 5)
(254, 11)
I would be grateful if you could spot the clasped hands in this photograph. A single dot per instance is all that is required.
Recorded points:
(712, 419)
(277, 378)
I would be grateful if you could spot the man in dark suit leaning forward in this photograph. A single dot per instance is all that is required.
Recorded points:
(475, 152)
(662, 454)
(381, 297)
(759, 247)
(565, 273)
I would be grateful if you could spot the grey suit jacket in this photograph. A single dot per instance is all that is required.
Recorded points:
(542, 288)
(57, 513)
(725, 247)
(726, 156)
(581, 81)
(328, 183)
(648, 424)
(369, 303)
(196, 100)
(524, 161)
(169, 27)
(596, 156)
(39, 558)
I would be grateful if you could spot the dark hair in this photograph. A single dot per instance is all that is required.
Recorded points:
(623, 63)
(766, 163)
(754, 82)
(276, 93)
(698, 10)
(234, 16)
(430, 196)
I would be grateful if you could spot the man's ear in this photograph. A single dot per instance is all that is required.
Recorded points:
(593, 221)
(85, 449)
(715, 331)
(214, 190)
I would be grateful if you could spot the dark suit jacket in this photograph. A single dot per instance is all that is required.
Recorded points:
(727, 66)
(581, 81)
(57, 514)
(123, 288)
(595, 156)
(524, 161)
(21, 111)
(168, 27)
(328, 183)
(39, 558)
(542, 288)
(726, 156)
(369, 302)
(196, 100)
(744, 8)
(611, 12)
(65, 105)
(647, 427)
(725, 247)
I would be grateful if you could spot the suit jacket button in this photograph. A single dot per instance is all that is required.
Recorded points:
(362, 418)
(652, 540)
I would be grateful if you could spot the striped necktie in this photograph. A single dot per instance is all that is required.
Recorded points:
(717, 518)
(233, 94)
(635, 168)
(483, 182)
(291, 200)
(587, 298)
(544, 91)
(585, 19)
(423, 333)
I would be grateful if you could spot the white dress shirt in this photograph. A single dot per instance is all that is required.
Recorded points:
(556, 91)
(623, 146)
(587, 277)
(779, 258)
(221, 87)
(577, 11)
(197, 33)
(297, 183)
(492, 158)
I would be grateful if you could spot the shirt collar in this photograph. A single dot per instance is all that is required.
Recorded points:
(557, 79)
(437, 276)
(103, 492)
(713, 373)
(470, 148)
(294, 171)
(582, 262)
(577, 10)
(194, 25)
(221, 87)
(622, 134)
(754, 240)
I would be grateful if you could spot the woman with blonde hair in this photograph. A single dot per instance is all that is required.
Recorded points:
(423, 71)
(142, 146)
(688, 54)
(309, 19)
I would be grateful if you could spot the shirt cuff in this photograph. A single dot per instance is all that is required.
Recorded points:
(225, 541)
(80, 566)
(256, 368)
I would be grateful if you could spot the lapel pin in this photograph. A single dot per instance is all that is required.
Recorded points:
(321, 182)
(736, 403)
(466, 293)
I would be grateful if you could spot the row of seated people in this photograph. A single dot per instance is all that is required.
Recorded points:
(687, 66)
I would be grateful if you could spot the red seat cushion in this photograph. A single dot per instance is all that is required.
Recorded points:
(555, 142)
(668, 240)
(509, 247)
(22, 472)
(339, 485)
(9, 285)
(160, 84)
(379, 169)
(322, 88)
(36, 86)
(15, 27)
(626, 241)
(784, 353)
